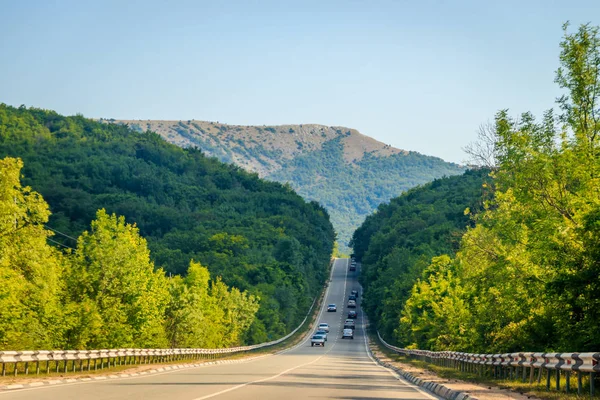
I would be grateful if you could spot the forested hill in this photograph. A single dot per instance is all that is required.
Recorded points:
(346, 171)
(398, 241)
(259, 236)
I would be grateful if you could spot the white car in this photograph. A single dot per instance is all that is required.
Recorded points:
(331, 307)
(324, 327)
(317, 340)
(347, 333)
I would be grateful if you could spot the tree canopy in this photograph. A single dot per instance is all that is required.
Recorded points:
(260, 237)
(526, 275)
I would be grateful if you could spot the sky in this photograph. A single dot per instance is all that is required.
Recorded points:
(419, 75)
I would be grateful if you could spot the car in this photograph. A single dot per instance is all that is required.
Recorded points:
(352, 267)
(317, 340)
(352, 314)
(351, 304)
(349, 324)
(348, 333)
(354, 292)
(323, 326)
(352, 297)
(331, 307)
(322, 333)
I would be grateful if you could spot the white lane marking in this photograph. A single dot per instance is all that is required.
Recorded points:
(394, 374)
(310, 332)
(95, 379)
(260, 380)
(325, 302)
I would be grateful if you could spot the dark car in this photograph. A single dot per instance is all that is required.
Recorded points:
(354, 292)
(352, 314)
(352, 297)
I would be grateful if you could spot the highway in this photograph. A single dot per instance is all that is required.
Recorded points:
(342, 369)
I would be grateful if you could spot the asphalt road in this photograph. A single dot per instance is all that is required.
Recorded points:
(342, 369)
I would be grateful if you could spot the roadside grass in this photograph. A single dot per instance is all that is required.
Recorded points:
(515, 385)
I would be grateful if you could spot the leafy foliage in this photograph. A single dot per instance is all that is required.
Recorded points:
(31, 271)
(397, 242)
(107, 293)
(527, 275)
(187, 207)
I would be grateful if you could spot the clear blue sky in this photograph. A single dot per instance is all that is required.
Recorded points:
(419, 75)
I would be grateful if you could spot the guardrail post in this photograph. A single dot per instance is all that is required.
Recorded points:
(557, 379)
(592, 386)
(531, 372)
(3, 369)
(579, 383)
(547, 379)
(568, 382)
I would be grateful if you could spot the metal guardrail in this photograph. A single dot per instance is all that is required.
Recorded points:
(87, 360)
(515, 365)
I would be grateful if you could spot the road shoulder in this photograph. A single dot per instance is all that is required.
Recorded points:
(450, 389)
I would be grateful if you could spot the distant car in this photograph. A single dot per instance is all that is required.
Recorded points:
(352, 297)
(354, 292)
(352, 267)
(324, 327)
(322, 333)
(331, 307)
(351, 304)
(349, 324)
(352, 314)
(348, 333)
(317, 340)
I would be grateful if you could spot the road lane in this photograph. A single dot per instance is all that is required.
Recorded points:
(340, 370)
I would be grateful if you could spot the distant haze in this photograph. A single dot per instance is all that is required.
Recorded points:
(416, 75)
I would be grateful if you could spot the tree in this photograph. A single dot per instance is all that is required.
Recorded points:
(30, 269)
(112, 275)
(482, 152)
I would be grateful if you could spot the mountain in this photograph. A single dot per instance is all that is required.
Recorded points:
(347, 172)
(259, 236)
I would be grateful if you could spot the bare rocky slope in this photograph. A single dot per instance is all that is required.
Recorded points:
(346, 171)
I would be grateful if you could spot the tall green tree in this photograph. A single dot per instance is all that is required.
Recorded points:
(204, 314)
(31, 284)
(123, 295)
(528, 272)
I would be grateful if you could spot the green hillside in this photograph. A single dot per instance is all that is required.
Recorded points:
(352, 191)
(347, 172)
(258, 236)
(397, 242)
